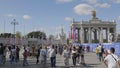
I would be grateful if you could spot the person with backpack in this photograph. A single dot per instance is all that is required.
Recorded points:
(112, 60)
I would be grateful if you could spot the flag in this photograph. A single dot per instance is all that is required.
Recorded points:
(73, 33)
(69, 35)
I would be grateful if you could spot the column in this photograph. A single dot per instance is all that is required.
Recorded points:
(82, 35)
(115, 35)
(108, 34)
(85, 35)
(95, 35)
(101, 35)
(89, 35)
(78, 33)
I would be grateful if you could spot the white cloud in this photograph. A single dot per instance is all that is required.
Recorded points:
(10, 15)
(92, 1)
(103, 5)
(68, 18)
(64, 1)
(83, 9)
(26, 17)
(116, 1)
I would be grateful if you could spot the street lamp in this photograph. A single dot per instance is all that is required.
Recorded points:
(14, 23)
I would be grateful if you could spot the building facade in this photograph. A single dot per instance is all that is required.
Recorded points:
(95, 30)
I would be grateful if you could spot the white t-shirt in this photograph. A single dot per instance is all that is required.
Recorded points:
(51, 52)
(99, 48)
(66, 54)
(74, 51)
(111, 61)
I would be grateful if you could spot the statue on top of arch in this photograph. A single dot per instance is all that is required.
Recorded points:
(94, 13)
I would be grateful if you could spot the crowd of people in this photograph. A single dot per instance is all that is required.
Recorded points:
(41, 53)
(13, 53)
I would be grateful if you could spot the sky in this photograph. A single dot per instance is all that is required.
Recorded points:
(50, 15)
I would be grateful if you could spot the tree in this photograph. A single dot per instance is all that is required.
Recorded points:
(18, 35)
(68, 41)
(6, 35)
(37, 34)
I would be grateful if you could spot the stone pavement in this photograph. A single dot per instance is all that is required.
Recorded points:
(90, 59)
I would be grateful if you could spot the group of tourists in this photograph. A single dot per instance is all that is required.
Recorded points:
(100, 51)
(76, 53)
(13, 53)
(109, 57)
(41, 53)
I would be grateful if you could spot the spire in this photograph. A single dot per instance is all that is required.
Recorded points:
(62, 30)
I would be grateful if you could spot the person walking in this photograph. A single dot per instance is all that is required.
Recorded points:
(43, 54)
(66, 55)
(74, 55)
(12, 54)
(1, 53)
(100, 52)
(25, 56)
(82, 49)
(97, 52)
(17, 53)
(37, 54)
(78, 55)
(52, 55)
(112, 60)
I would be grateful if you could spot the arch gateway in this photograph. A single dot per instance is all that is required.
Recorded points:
(95, 30)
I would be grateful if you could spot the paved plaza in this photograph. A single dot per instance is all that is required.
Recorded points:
(90, 59)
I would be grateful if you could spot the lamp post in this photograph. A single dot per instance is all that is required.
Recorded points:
(14, 23)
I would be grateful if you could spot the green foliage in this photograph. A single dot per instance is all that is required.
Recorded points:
(6, 35)
(18, 35)
(36, 34)
(68, 41)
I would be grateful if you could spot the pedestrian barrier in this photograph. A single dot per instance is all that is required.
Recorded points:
(105, 45)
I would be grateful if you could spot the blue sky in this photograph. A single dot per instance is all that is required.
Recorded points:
(50, 15)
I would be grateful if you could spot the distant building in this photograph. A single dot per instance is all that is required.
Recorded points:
(63, 36)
